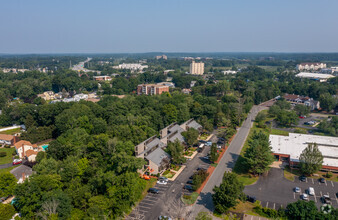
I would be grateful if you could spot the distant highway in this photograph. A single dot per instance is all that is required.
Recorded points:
(80, 66)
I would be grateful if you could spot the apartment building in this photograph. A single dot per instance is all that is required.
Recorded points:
(196, 68)
(310, 66)
(152, 149)
(302, 100)
(152, 89)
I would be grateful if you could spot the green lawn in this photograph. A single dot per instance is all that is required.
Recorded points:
(11, 132)
(279, 132)
(8, 157)
(191, 200)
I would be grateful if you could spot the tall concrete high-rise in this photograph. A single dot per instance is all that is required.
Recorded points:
(196, 68)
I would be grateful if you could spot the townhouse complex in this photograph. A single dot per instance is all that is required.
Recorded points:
(152, 149)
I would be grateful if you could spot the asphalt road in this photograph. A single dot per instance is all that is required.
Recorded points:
(168, 201)
(274, 191)
(3, 166)
(227, 163)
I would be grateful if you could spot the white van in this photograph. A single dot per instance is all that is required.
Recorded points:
(311, 191)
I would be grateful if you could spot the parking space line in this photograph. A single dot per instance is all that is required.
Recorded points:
(294, 195)
(274, 205)
(267, 204)
(314, 195)
(312, 181)
(306, 179)
(336, 199)
(332, 183)
(325, 183)
(321, 194)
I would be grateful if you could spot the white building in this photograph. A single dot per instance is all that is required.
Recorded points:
(310, 66)
(289, 148)
(228, 72)
(196, 68)
(316, 76)
(131, 66)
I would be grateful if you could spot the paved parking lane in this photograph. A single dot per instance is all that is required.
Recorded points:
(275, 191)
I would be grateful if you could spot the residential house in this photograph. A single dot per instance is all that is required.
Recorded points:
(6, 139)
(302, 100)
(48, 95)
(152, 150)
(26, 149)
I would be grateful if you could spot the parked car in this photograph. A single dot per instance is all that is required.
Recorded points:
(190, 182)
(191, 177)
(326, 199)
(202, 141)
(209, 143)
(161, 217)
(188, 187)
(162, 182)
(311, 191)
(337, 194)
(305, 196)
(302, 178)
(251, 199)
(17, 161)
(163, 178)
(296, 190)
(201, 168)
(205, 157)
(153, 190)
(322, 180)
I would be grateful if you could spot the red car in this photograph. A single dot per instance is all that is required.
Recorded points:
(301, 116)
(17, 161)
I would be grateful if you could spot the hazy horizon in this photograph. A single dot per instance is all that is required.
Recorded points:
(218, 26)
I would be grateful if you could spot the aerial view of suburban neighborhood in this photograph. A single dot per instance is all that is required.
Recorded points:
(178, 110)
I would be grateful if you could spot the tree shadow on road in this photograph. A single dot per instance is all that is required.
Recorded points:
(206, 201)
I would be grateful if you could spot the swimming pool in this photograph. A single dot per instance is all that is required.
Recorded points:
(45, 147)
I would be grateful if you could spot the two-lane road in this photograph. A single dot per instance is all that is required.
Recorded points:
(227, 163)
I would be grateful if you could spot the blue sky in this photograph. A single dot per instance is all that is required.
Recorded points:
(113, 26)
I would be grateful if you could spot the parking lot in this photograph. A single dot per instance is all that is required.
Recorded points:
(274, 191)
(154, 205)
(149, 201)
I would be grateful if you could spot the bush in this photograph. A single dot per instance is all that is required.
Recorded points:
(199, 178)
(328, 174)
(187, 197)
(165, 172)
(3, 154)
(269, 213)
(7, 146)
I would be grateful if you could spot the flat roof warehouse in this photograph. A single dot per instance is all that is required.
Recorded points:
(294, 144)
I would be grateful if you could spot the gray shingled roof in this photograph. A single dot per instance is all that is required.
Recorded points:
(157, 156)
(153, 144)
(194, 124)
(177, 136)
(176, 127)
